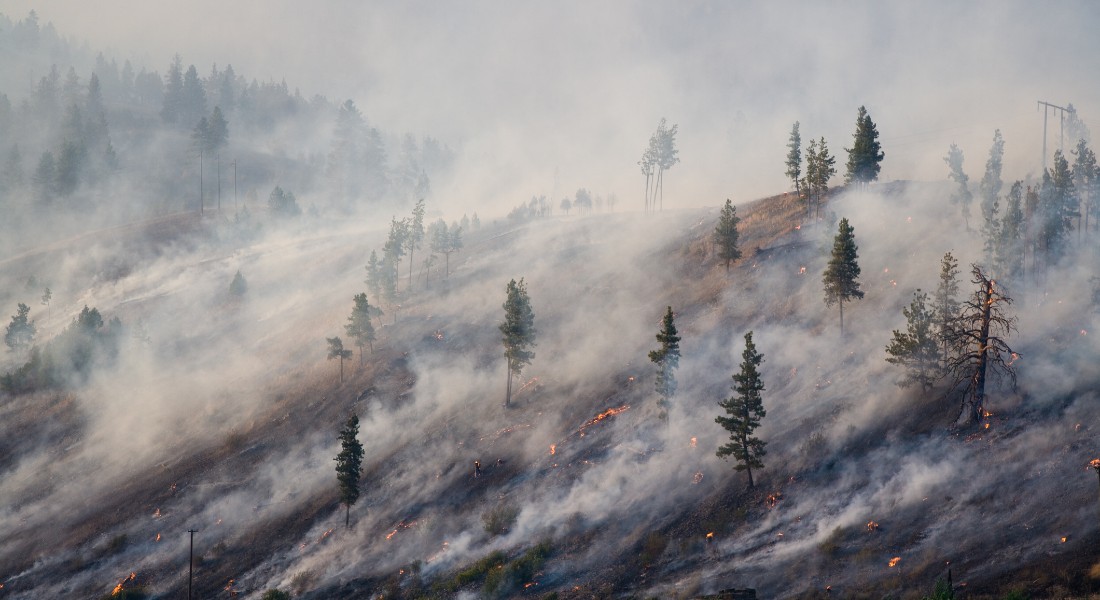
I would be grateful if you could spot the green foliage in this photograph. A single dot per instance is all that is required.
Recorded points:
(238, 286)
(275, 594)
(69, 357)
(794, 156)
(1057, 209)
(842, 273)
(475, 572)
(941, 591)
(866, 151)
(1009, 249)
(374, 275)
(518, 331)
(359, 327)
(20, 332)
(1016, 594)
(667, 358)
(283, 203)
(820, 168)
(726, 234)
(500, 519)
(917, 349)
(744, 411)
(349, 464)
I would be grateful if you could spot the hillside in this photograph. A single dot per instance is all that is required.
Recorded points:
(222, 417)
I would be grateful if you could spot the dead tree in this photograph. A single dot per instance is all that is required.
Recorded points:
(977, 334)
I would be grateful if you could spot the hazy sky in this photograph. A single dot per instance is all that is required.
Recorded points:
(530, 89)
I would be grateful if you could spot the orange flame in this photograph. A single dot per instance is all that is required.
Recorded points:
(158, 538)
(553, 449)
(1095, 463)
(391, 534)
(605, 414)
(694, 440)
(1064, 538)
(118, 588)
(872, 526)
(710, 537)
(894, 561)
(326, 534)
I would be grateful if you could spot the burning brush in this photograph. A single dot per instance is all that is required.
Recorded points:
(121, 585)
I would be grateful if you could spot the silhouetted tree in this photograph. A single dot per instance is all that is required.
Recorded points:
(726, 234)
(446, 241)
(820, 168)
(1086, 181)
(517, 331)
(283, 203)
(47, 295)
(667, 359)
(414, 234)
(842, 272)
(359, 327)
(566, 204)
(794, 159)
(745, 409)
(349, 466)
(1009, 256)
(1057, 209)
(977, 336)
(918, 348)
(866, 153)
(336, 350)
(962, 195)
(374, 275)
(238, 287)
(20, 332)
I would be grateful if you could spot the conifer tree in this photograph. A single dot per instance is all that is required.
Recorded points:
(414, 234)
(726, 234)
(842, 272)
(667, 358)
(1085, 175)
(866, 152)
(818, 176)
(1057, 207)
(374, 276)
(20, 332)
(1009, 259)
(794, 159)
(945, 302)
(744, 410)
(238, 286)
(349, 466)
(961, 196)
(359, 327)
(336, 350)
(517, 331)
(918, 348)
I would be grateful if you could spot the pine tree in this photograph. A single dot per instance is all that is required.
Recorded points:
(866, 153)
(414, 234)
(945, 301)
(726, 234)
(359, 327)
(517, 331)
(20, 332)
(1085, 175)
(918, 348)
(808, 187)
(349, 466)
(745, 409)
(824, 171)
(336, 350)
(374, 276)
(961, 196)
(667, 358)
(841, 274)
(238, 286)
(977, 339)
(1057, 207)
(794, 159)
(1010, 244)
(47, 296)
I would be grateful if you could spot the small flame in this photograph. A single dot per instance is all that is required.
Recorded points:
(553, 449)
(326, 534)
(391, 534)
(229, 587)
(158, 538)
(894, 561)
(118, 588)
(872, 526)
(527, 585)
(694, 441)
(697, 478)
(156, 514)
(605, 414)
(802, 271)
(1064, 538)
(710, 537)
(1095, 463)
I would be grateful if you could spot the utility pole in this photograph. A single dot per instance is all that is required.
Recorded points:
(191, 562)
(1047, 107)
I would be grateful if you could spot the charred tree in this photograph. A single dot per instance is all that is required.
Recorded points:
(977, 336)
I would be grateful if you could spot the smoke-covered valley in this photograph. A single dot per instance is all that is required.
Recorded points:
(199, 405)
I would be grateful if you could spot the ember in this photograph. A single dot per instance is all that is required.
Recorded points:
(872, 526)
(1064, 538)
(553, 449)
(158, 538)
(894, 561)
(118, 588)
(605, 414)
(773, 499)
(693, 441)
(326, 534)
(710, 537)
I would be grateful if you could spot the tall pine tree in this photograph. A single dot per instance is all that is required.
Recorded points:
(667, 358)
(794, 159)
(517, 331)
(349, 466)
(744, 411)
(842, 272)
(359, 327)
(961, 196)
(917, 349)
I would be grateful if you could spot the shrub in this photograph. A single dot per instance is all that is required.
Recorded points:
(500, 519)
(275, 594)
